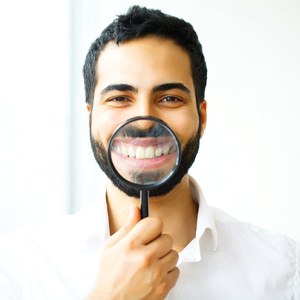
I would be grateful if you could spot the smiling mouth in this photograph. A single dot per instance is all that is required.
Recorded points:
(144, 148)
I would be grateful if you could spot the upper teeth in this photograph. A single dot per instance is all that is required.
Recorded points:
(143, 152)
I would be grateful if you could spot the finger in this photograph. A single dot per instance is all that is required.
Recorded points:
(146, 231)
(161, 246)
(133, 218)
(172, 277)
(169, 261)
(167, 283)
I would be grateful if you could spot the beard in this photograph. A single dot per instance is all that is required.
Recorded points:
(189, 153)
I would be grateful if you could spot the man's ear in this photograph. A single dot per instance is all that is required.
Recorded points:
(88, 108)
(202, 110)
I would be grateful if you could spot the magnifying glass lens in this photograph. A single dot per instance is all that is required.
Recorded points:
(144, 151)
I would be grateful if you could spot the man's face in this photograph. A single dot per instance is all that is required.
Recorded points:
(146, 76)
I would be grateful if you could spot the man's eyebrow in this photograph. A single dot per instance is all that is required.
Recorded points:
(122, 87)
(171, 86)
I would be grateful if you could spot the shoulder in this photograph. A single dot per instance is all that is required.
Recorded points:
(23, 243)
(260, 250)
(233, 231)
(63, 234)
(273, 256)
(35, 254)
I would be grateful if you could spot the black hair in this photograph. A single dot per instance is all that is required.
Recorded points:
(139, 22)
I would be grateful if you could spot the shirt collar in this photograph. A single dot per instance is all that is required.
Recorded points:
(206, 238)
(205, 219)
(94, 222)
(93, 230)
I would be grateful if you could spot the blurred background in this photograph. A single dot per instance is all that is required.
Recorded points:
(249, 160)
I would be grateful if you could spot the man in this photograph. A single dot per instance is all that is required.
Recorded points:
(147, 63)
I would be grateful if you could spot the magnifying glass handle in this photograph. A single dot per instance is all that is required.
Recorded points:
(144, 197)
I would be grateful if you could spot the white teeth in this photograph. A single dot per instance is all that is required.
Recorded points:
(140, 153)
(173, 149)
(149, 153)
(166, 150)
(143, 152)
(158, 152)
(124, 151)
(131, 152)
(118, 149)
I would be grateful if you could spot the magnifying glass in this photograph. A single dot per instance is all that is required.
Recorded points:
(144, 153)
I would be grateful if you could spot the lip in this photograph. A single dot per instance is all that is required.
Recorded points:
(147, 164)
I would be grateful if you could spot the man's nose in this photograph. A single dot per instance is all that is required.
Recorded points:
(145, 107)
(144, 124)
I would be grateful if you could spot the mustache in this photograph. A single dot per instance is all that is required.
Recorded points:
(135, 132)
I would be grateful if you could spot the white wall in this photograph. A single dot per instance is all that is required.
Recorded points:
(249, 162)
(34, 99)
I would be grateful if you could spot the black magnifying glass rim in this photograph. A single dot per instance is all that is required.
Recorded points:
(152, 185)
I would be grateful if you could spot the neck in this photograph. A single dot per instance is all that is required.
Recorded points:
(177, 210)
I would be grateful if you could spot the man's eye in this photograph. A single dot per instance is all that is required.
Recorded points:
(118, 99)
(171, 99)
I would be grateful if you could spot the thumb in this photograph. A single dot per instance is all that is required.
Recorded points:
(133, 218)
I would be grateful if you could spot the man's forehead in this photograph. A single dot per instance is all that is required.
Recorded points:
(151, 44)
(150, 59)
(139, 41)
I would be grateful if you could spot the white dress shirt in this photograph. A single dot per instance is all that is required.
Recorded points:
(227, 259)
